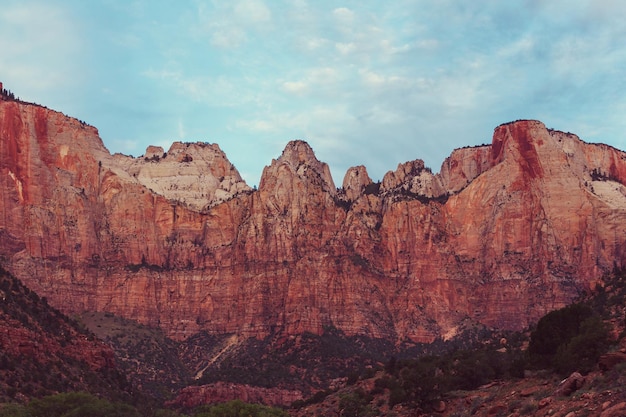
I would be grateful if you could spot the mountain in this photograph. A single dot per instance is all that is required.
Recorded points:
(44, 352)
(501, 235)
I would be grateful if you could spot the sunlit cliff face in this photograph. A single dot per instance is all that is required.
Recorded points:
(504, 233)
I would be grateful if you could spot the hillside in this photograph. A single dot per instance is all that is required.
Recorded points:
(44, 352)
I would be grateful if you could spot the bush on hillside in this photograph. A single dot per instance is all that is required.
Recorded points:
(71, 404)
(568, 339)
(237, 408)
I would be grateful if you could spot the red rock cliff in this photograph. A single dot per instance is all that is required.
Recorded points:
(501, 235)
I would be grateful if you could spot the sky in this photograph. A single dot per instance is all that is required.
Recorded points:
(363, 82)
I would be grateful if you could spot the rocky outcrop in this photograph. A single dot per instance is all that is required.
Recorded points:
(412, 179)
(197, 175)
(569, 385)
(503, 234)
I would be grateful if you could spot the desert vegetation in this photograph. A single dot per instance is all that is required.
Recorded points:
(569, 339)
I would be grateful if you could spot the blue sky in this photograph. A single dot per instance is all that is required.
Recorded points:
(364, 82)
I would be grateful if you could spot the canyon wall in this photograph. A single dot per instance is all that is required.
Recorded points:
(504, 233)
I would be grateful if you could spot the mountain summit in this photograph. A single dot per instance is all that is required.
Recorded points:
(501, 235)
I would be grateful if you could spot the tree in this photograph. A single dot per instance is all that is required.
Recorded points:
(572, 338)
(581, 352)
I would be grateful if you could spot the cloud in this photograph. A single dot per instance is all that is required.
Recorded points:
(373, 84)
(313, 44)
(345, 48)
(226, 36)
(228, 25)
(344, 15)
(296, 87)
(253, 11)
(40, 46)
(220, 91)
(318, 81)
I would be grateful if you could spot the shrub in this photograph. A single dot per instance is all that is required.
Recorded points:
(78, 404)
(572, 338)
(355, 404)
(583, 350)
(555, 329)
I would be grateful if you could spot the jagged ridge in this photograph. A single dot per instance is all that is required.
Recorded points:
(502, 234)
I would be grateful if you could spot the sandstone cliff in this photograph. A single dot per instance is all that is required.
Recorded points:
(504, 233)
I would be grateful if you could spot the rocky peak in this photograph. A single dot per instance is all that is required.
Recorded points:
(298, 152)
(298, 160)
(532, 220)
(355, 181)
(463, 166)
(198, 175)
(412, 178)
(521, 138)
(154, 152)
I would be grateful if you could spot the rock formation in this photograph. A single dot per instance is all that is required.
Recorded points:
(504, 233)
(196, 174)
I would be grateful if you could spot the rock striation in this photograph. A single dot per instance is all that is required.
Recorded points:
(504, 233)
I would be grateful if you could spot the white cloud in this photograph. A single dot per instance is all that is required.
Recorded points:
(427, 44)
(295, 87)
(344, 15)
(318, 81)
(227, 26)
(253, 11)
(523, 46)
(372, 78)
(40, 46)
(215, 91)
(313, 44)
(345, 48)
(224, 36)
(259, 125)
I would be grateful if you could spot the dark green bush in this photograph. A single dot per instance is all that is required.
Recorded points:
(71, 404)
(572, 338)
(356, 404)
(555, 329)
(581, 352)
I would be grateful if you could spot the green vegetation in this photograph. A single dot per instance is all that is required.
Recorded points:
(308, 361)
(423, 380)
(72, 404)
(162, 371)
(356, 404)
(81, 404)
(568, 339)
(565, 340)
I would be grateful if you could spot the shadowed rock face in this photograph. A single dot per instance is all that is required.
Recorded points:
(504, 233)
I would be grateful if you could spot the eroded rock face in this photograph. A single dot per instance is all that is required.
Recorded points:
(503, 234)
(412, 179)
(196, 174)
